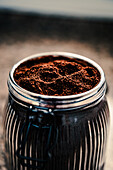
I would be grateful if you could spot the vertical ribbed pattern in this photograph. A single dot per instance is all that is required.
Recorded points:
(79, 146)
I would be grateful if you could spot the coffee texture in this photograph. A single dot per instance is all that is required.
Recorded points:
(56, 75)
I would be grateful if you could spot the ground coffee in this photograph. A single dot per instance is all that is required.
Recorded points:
(56, 75)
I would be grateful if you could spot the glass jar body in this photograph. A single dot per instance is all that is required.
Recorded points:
(70, 139)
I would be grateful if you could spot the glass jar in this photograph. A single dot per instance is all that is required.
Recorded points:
(56, 132)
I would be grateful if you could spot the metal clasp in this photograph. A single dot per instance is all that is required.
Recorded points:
(41, 121)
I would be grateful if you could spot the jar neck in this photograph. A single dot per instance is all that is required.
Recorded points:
(83, 100)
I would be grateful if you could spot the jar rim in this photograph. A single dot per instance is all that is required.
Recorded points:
(85, 98)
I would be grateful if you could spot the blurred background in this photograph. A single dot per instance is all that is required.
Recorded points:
(83, 27)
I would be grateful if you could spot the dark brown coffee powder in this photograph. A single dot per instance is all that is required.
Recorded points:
(56, 75)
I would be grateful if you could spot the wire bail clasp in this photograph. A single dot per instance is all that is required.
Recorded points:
(45, 128)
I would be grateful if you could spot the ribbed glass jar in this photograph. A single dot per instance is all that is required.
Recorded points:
(56, 132)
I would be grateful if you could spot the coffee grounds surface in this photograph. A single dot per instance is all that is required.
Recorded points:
(56, 75)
